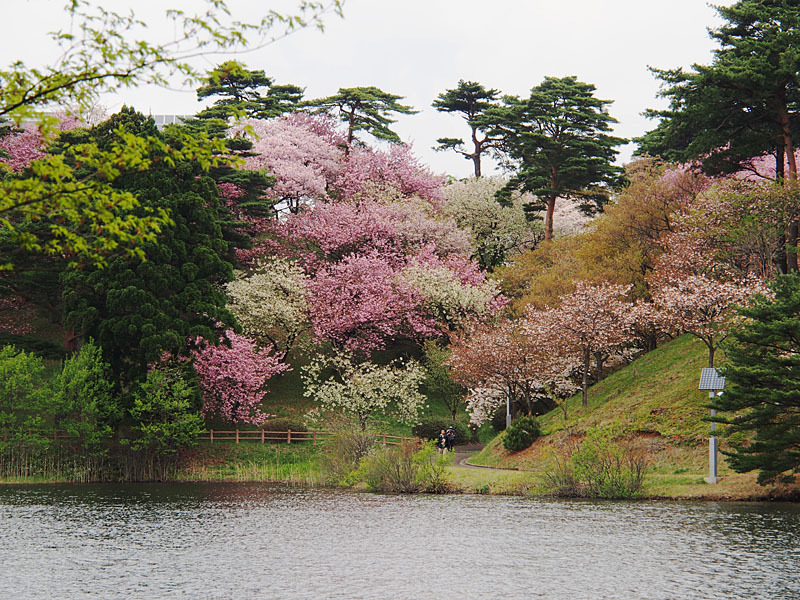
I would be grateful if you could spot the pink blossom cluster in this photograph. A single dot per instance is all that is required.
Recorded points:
(360, 302)
(300, 154)
(397, 171)
(22, 148)
(356, 255)
(232, 375)
(331, 231)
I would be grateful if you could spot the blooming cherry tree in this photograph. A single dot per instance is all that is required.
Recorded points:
(590, 321)
(303, 162)
(359, 304)
(271, 303)
(362, 389)
(502, 362)
(232, 376)
(370, 173)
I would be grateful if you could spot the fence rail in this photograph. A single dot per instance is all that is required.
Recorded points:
(263, 436)
(288, 436)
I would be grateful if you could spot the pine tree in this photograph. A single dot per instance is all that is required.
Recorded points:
(242, 94)
(744, 104)
(761, 402)
(365, 109)
(470, 100)
(558, 144)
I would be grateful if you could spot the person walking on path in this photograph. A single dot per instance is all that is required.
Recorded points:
(441, 441)
(450, 439)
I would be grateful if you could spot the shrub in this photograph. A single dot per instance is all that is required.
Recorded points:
(429, 429)
(163, 414)
(599, 468)
(343, 454)
(499, 419)
(405, 469)
(23, 400)
(522, 433)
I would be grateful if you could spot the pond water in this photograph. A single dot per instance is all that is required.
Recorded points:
(264, 541)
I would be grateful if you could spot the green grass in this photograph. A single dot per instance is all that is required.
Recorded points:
(251, 461)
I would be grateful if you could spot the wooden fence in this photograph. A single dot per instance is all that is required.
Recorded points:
(263, 436)
(288, 436)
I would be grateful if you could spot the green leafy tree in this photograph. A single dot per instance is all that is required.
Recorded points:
(100, 53)
(23, 400)
(86, 406)
(364, 109)
(558, 144)
(761, 402)
(137, 309)
(470, 100)
(163, 413)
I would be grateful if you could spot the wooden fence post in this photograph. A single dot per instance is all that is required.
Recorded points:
(289, 436)
(210, 436)
(237, 435)
(384, 440)
(262, 435)
(314, 443)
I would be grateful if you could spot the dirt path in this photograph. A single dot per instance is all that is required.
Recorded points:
(463, 453)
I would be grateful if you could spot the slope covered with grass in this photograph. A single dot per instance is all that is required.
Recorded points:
(653, 402)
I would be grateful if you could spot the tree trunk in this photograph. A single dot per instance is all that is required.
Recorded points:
(711, 350)
(585, 383)
(598, 357)
(476, 156)
(548, 219)
(788, 148)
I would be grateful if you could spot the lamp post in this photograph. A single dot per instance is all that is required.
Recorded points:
(711, 381)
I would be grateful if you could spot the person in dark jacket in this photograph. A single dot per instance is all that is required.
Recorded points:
(450, 439)
(441, 441)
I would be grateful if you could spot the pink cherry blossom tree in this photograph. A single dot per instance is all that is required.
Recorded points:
(359, 304)
(369, 172)
(589, 322)
(696, 294)
(504, 362)
(302, 157)
(232, 376)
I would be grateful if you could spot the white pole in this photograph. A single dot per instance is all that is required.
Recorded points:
(712, 447)
(508, 412)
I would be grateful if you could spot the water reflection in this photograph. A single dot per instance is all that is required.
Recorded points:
(262, 541)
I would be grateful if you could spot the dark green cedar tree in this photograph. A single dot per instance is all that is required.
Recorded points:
(138, 309)
(761, 401)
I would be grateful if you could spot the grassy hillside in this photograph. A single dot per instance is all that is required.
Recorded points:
(654, 402)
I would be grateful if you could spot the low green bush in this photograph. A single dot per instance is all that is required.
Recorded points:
(429, 429)
(599, 468)
(404, 469)
(522, 433)
(343, 455)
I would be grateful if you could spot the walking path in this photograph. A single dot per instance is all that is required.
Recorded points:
(463, 453)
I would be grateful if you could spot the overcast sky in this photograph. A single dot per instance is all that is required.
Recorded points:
(418, 48)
